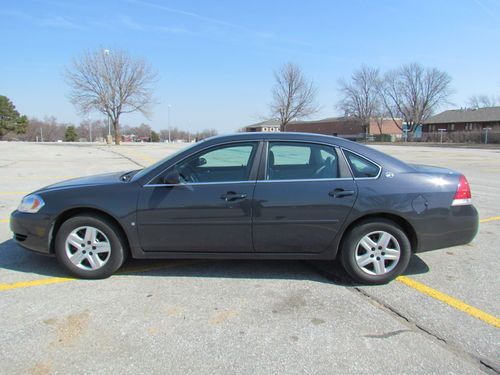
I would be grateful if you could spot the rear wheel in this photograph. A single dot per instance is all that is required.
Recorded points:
(375, 252)
(89, 247)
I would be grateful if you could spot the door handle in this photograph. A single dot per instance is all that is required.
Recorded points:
(339, 193)
(232, 196)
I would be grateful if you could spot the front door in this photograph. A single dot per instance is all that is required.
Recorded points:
(303, 199)
(209, 210)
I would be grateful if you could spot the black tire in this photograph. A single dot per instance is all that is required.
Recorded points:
(114, 259)
(350, 247)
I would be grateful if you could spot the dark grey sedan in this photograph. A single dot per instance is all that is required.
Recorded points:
(254, 196)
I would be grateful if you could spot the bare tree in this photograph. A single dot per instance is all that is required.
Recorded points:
(360, 97)
(294, 96)
(112, 83)
(482, 101)
(413, 93)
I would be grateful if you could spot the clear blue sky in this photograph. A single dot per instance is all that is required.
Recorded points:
(216, 58)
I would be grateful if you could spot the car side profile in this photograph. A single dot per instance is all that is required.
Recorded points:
(254, 196)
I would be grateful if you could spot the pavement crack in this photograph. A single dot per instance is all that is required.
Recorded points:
(484, 364)
(488, 367)
(388, 334)
(121, 155)
(338, 277)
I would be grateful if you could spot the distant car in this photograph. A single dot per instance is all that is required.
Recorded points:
(254, 196)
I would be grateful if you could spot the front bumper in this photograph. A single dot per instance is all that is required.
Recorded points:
(32, 231)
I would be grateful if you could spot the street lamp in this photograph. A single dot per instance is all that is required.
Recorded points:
(169, 107)
(486, 135)
(441, 131)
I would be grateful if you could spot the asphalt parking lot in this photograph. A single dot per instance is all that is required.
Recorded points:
(245, 316)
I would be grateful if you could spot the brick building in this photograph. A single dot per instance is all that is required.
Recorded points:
(345, 127)
(464, 120)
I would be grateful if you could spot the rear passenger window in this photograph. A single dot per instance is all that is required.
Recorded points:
(361, 167)
(291, 154)
(301, 161)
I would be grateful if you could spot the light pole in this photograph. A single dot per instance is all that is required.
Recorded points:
(169, 107)
(90, 131)
(441, 131)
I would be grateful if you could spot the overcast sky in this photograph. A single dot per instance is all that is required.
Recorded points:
(216, 58)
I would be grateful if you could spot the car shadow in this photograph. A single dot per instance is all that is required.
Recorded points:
(13, 257)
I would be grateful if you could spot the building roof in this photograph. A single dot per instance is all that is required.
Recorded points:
(265, 123)
(454, 116)
(274, 122)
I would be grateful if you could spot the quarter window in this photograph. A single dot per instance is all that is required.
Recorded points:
(301, 161)
(361, 167)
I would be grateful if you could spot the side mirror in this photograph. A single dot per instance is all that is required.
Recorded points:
(172, 178)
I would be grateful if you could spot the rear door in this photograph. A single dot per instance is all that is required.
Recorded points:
(303, 198)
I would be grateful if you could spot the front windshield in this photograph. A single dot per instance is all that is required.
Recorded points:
(148, 169)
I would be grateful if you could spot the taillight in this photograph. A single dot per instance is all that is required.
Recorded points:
(463, 195)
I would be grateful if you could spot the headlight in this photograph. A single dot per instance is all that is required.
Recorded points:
(31, 204)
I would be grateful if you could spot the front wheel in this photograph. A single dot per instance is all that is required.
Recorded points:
(89, 247)
(375, 252)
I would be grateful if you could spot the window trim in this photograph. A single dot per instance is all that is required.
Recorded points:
(262, 177)
(363, 157)
(255, 163)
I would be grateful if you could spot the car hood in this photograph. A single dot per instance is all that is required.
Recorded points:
(99, 179)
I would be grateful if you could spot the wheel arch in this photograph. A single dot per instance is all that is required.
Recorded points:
(65, 215)
(402, 222)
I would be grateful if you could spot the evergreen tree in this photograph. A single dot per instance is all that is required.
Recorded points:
(154, 136)
(70, 135)
(10, 119)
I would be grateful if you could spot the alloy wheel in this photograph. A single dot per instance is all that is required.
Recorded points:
(88, 248)
(377, 253)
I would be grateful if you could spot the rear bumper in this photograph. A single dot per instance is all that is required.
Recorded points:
(31, 231)
(459, 227)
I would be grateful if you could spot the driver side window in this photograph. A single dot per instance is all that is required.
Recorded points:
(221, 164)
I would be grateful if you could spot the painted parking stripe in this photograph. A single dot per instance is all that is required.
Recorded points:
(27, 284)
(449, 300)
(13, 192)
(494, 218)
(59, 280)
(4, 220)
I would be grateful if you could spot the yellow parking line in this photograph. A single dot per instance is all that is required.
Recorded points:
(58, 280)
(494, 218)
(4, 220)
(453, 302)
(27, 284)
(13, 192)
(141, 156)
